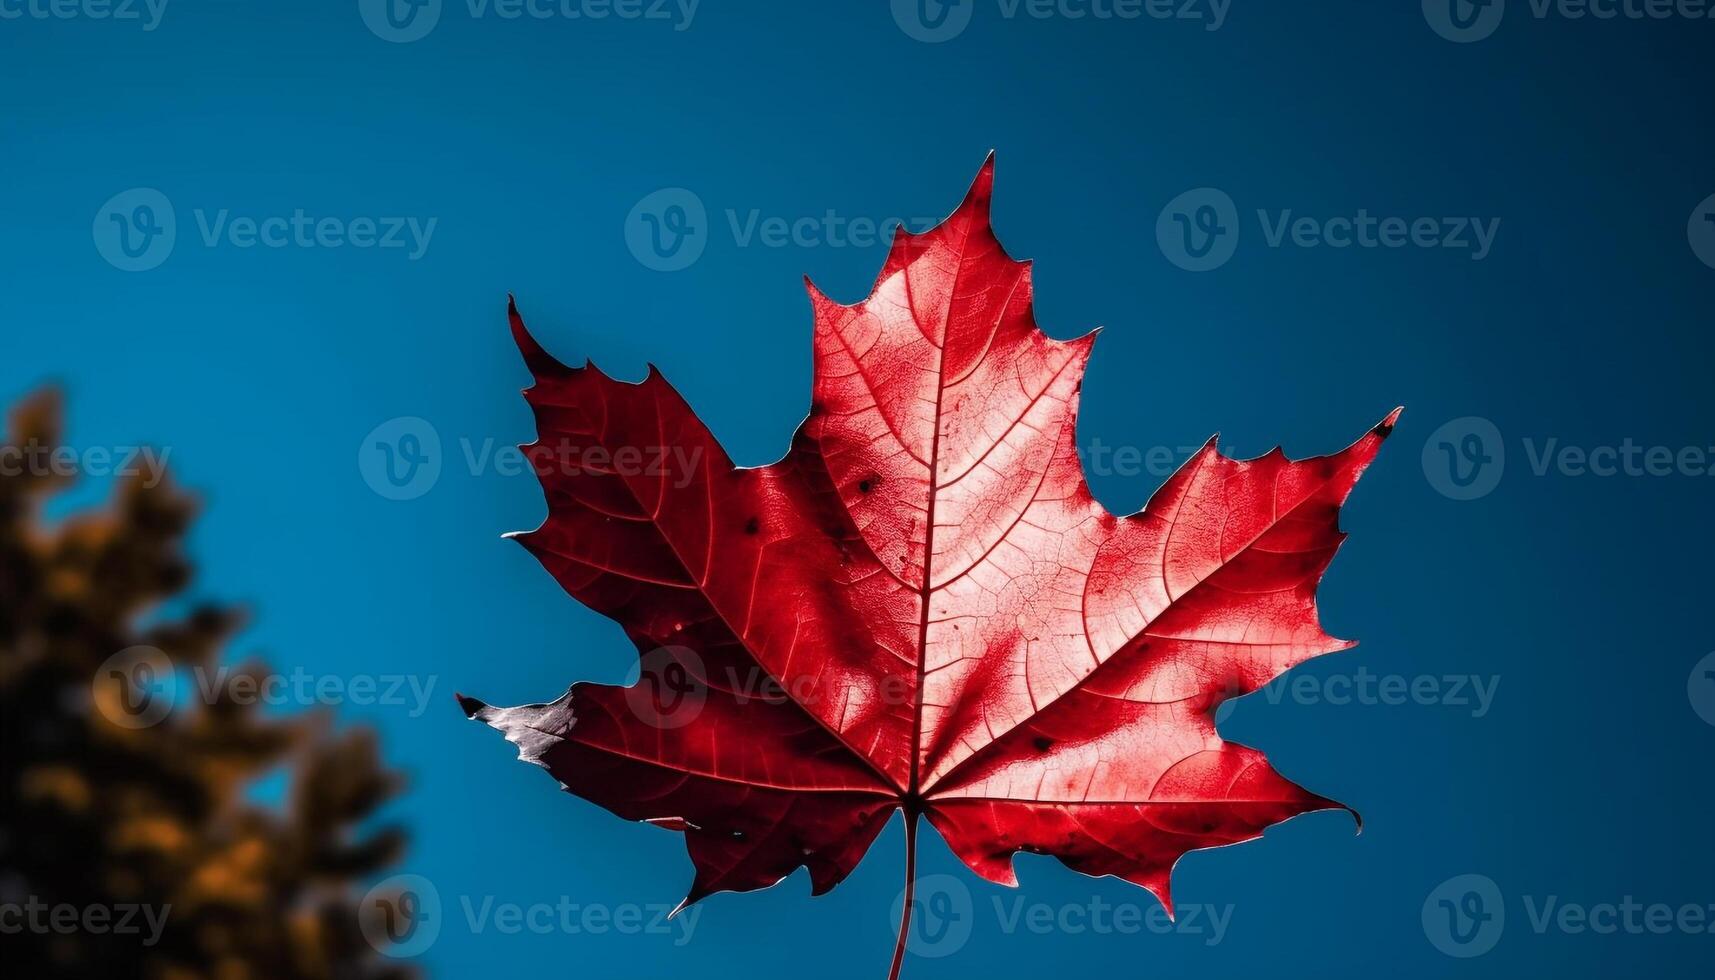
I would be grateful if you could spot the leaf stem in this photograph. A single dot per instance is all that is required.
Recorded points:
(910, 892)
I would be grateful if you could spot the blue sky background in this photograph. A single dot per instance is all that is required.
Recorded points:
(529, 141)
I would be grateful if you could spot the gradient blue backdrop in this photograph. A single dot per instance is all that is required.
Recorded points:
(530, 142)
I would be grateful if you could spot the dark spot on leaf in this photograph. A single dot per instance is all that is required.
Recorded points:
(751, 526)
(1042, 743)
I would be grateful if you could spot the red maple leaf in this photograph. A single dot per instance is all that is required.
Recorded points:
(921, 607)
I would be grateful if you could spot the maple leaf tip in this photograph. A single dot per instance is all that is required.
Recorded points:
(818, 299)
(472, 707)
(1384, 428)
(981, 194)
(522, 537)
(1164, 894)
(536, 358)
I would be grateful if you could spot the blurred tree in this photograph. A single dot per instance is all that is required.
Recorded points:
(116, 792)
